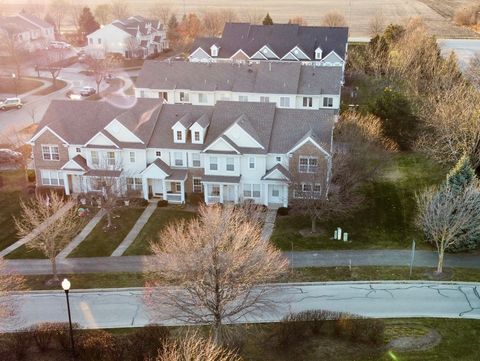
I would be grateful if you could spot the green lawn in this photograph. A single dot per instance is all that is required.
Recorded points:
(12, 190)
(101, 243)
(386, 220)
(159, 219)
(60, 84)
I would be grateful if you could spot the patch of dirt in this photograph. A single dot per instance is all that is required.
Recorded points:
(446, 275)
(416, 343)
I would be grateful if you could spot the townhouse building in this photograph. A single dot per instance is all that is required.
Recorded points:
(287, 85)
(134, 37)
(243, 42)
(229, 151)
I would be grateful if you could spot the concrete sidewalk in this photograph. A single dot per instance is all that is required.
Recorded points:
(269, 223)
(138, 226)
(81, 236)
(300, 259)
(37, 231)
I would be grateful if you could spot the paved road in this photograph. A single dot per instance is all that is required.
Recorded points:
(125, 307)
(300, 259)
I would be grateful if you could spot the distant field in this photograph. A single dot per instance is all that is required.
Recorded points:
(437, 13)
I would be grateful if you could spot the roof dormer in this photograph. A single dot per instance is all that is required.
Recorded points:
(318, 53)
(199, 128)
(180, 128)
(214, 50)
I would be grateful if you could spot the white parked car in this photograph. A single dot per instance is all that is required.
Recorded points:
(10, 103)
(59, 45)
(87, 91)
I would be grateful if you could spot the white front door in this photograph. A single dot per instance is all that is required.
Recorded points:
(275, 193)
(157, 187)
(228, 193)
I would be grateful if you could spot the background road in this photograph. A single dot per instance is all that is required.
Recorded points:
(125, 307)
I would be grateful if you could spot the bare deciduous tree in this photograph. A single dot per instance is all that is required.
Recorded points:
(377, 25)
(333, 19)
(220, 264)
(9, 283)
(53, 220)
(14, 47)
(54, 63)
(444, 212)
(194, 348)
(75, 8)
(473, 70)
(119, 9)
(102, 13)
(298, 20)
(161, 12)
(99, 68)
(58, 9)
(254, 16)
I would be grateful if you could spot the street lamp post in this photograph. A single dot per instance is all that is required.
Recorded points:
(66, 287)
(14, 77)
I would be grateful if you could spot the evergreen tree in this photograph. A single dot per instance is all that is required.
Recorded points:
(267, 20)
(458, 179)
(172, 29)
(87, 23)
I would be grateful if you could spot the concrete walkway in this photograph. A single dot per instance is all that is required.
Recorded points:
(38, 230)
(118, 308)
(269, 223)
(400, 258)
(141, 221)
(81, 236)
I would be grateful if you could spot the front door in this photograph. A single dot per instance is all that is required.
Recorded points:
(157, 187)
(276, 193)
(228, 193)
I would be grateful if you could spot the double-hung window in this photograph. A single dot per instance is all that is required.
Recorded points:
(51, 178)
(178, 157)
(111, 158)
(308, 164)
(134, 184)
(202, 98)
(285, 102)
(95, 160)
(196, 136)
(184, 97)
(243, 98)
(251, 162)
(230, 164)
(179, 135)
(197, 185)
(213, 163)
(307, 102)
(251, 190)
(132, 157)
(264, 99)
(196, 160)
(50, 152)
(328, 102)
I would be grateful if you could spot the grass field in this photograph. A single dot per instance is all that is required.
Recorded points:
(12, 190)
(159, 219)
(386, 220)
(7, 85)
(101, 243)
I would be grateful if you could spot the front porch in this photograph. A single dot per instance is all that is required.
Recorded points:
(160, 180)
(221, 189)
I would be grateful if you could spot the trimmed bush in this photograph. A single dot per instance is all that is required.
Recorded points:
(146, 342)
(282, 211)
(162, 203)
(96, 345)
(195, 198)
(62, 334)
(43, 335)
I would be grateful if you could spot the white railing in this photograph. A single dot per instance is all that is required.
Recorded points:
(174, 197)
(213, 199)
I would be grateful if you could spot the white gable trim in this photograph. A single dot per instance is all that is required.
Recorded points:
(71, 164)
(238, 51)
(178, 125)
(224, 142)
(290, 54)
(300, 50)
(279, 175)
(258, 52)
(192, 55)
(248, 134)
(147, 170)
(335, 54)
(100, 133)
(44, 129)
(266, 46)
(124, 127)
(309, 139)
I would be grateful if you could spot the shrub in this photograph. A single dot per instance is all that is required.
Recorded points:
(146, 342)
(466, 16)
(62, 334)
(139, 202)
(282, 211)
(43, 334)
(96, 345)
(195, 198)
(162, 203)
(31, 175)
(18, 343)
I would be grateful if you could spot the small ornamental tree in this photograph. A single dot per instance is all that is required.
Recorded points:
(267, 20)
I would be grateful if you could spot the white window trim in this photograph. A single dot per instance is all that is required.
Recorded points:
(199, 161)
(249, 187)
(210, 163)
(134, 157)
(232, 164)
(193, 185)
(308, 170)
(136, 183)
(175, 154)
(250, 163)
(285, 99)
(47, 181)
(50, 153)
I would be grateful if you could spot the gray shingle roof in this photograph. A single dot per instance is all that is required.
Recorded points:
(281, 38)
(281, 169)
(219, 178)
(277, 78)
(135, 23)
